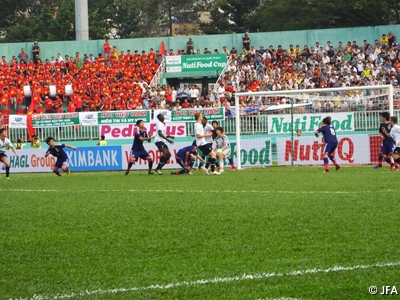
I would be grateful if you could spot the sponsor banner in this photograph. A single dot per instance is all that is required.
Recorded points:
(95, 158)
(127, 131)
(309, 122)
(82, 159)
(165, 112)
(190, 63)
(254, 152)
(353, 149)
(89, 118)
(187, 115)
(30, 161)
(123, 117)
(17, 121)
(55, 120)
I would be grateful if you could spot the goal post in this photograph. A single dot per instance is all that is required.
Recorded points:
(305, 103)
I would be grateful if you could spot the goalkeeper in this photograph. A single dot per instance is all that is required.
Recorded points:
(223, 149)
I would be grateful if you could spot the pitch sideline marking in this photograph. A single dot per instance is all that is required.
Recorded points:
(197, 191)
(209, 281)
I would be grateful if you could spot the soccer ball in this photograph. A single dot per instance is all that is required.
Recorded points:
(219, 151)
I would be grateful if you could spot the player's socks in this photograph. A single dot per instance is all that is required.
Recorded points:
(7, 172)
(380, 159)
(207, 165)
(397, 162)
(221, 164)
(212, 163)
(326, 164)
(178, 172)
(150, 166)
(388, 160)
(161, 164)
(230, 159)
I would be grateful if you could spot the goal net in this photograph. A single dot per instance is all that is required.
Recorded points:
(292, 117)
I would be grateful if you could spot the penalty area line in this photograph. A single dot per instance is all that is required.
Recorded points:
(215, 280)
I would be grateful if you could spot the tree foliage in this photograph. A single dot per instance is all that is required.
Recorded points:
(279, 15)
(51, 20)
(231, 16)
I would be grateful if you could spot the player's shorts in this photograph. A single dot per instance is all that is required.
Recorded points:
(206, 149)
(135, 155)
(387, 149)
(161, 145)
(61, 162)
(330, 147)
(226, 152)
(2, 154)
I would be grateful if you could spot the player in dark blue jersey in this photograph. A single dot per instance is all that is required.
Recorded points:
(388, 144)
(185, 157)
(137, 150)
(331, 142)
(58, 152)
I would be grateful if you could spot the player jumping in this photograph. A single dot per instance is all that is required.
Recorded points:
(58, 152)
(185, 157)
(223, 149)
(388, 143)
(5, 144)
(331, 142)
(160, 138)
(137, 150)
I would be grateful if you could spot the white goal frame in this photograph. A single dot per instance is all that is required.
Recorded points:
(296, 92)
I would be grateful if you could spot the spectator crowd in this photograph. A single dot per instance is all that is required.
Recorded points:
(119, 80)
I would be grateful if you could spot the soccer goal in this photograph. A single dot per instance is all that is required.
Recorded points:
(294, 115)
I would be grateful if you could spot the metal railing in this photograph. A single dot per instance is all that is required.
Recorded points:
(250, 125)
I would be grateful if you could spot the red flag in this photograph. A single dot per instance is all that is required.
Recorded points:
(29, 123)
(162, 48)
(29, 126)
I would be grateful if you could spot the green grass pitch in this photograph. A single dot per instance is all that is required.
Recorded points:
(273, 233)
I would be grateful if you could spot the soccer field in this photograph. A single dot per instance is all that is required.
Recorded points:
(273, 233)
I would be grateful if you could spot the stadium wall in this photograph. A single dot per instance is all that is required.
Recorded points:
(284, 38)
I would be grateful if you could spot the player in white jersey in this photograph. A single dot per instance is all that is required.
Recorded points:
(209, 139)
(160, 138)
(223, 149)
(202, 144)
(5, 144)
(395, 134)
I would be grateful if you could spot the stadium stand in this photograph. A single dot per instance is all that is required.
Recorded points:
(88, 83)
